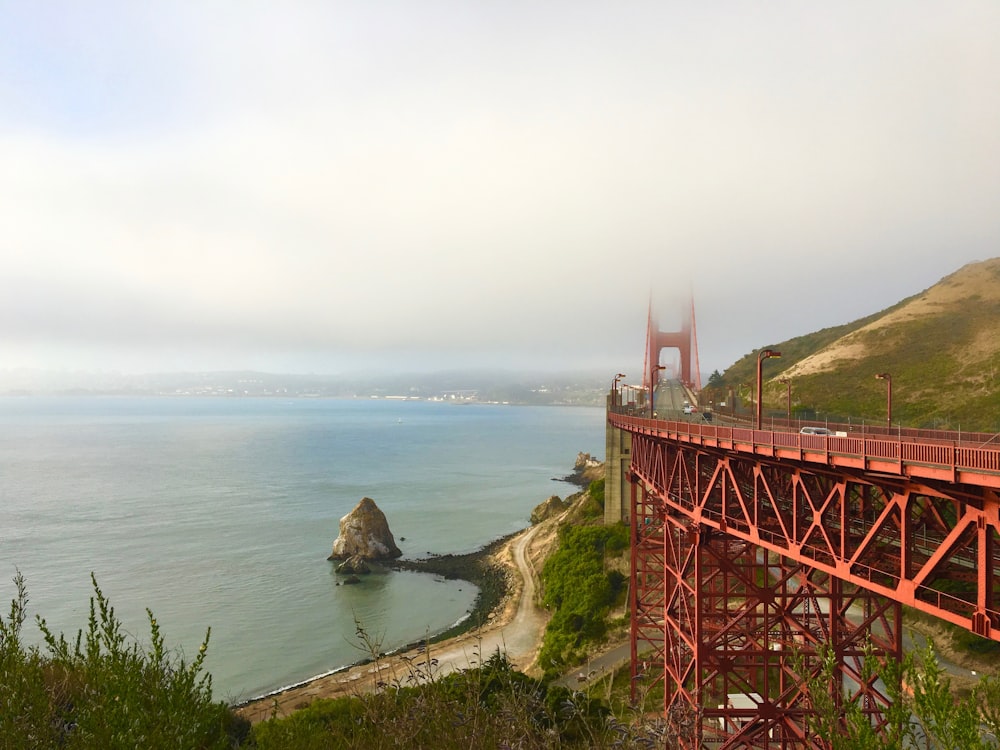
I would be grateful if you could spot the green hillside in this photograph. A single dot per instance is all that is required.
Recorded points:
(941, 348)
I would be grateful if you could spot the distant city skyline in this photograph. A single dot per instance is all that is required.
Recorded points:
(328, 188)
(576, 389)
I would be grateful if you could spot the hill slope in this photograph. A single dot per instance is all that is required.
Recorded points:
(941, 347)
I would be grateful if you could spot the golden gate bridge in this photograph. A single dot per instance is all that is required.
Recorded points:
(755, 550)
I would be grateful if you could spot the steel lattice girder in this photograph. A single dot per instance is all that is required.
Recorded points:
(930, 546)
(738, 623)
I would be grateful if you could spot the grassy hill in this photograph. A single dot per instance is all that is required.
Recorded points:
(941, 347)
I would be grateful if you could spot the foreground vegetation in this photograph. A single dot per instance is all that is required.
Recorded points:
(923, 711)
(493, 706)
(101, 690)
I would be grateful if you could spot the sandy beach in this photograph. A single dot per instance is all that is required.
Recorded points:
(514, 628)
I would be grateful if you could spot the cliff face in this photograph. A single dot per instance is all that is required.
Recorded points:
(586, 469)
(364, 533)
(549, 509)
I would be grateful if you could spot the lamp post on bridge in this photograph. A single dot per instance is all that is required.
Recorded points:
(764, 354)
(615, 400)
(788, 398)
(652, 388)
(888, 389)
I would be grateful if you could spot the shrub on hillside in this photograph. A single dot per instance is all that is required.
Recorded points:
(580, 591)
(102, 691)
(593, 505)
(490, 706)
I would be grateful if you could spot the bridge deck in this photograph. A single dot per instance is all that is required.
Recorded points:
(957, 460)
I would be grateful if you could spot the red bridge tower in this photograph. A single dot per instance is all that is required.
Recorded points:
(685, 341)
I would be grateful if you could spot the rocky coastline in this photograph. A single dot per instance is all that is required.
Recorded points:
(586, 469)
(491, 568)
(479, 568)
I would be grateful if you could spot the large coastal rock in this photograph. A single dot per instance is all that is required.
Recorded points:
(365, 533)
(549, 509)
(586, 469)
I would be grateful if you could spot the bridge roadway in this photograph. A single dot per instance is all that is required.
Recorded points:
(909, 515)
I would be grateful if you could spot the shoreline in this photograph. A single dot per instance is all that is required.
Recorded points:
(478, 568)
(481, 568)
(504, 617)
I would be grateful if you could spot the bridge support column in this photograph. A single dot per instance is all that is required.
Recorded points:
(617, 456)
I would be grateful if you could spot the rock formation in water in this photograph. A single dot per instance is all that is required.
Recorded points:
(365, 533)
(354, 565)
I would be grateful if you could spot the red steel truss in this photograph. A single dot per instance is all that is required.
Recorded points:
(751, 549)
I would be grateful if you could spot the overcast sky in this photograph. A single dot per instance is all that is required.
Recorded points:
(322, 186)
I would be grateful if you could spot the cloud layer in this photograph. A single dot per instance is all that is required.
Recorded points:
(322, 186)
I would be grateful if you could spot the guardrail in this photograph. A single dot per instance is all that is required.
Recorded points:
(962, 457)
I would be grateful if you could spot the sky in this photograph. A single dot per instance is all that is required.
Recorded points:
(328, 187)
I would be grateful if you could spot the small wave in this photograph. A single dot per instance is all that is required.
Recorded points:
(459, 621)
(300, 683)
(394, 652)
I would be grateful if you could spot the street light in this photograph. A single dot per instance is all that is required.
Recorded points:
(652, 387)
(764, 354)
(615, 400)
(788, 398)
(888, 390)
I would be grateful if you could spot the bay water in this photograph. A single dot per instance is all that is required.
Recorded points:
(221, 512)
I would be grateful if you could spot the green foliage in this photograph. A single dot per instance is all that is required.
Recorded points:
(969, 642)
(950, 725)
(489, 706)
(593, 505)
(103, 691)
(580, 591)
(923, 710)
(843, 721)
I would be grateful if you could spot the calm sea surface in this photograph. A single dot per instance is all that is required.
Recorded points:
(221, 512)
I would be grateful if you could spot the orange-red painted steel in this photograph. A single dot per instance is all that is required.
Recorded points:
(753, 547)
(683, 340)
(904, 519)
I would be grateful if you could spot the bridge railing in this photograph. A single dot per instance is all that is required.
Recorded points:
(896, 433)
(928, 454)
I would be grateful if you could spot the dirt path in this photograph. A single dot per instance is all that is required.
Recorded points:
(516, 631)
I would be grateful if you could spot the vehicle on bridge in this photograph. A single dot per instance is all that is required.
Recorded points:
(817, 431)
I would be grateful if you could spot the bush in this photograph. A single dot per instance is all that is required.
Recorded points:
(580, 591)
(594, 505)
(490, 706)
(101, 691)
